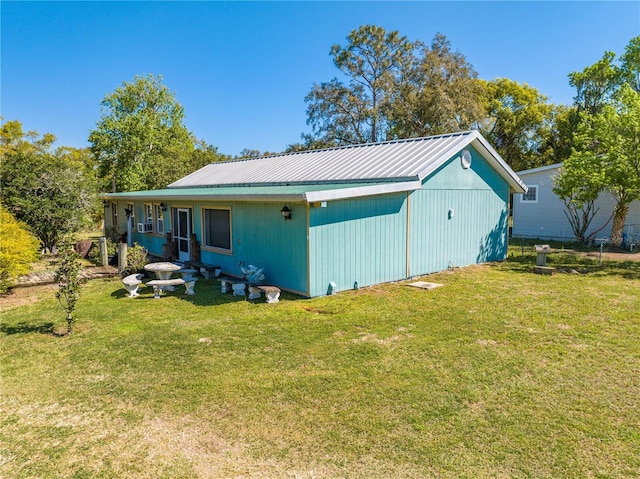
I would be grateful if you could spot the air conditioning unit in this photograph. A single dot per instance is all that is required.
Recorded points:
(145, 227)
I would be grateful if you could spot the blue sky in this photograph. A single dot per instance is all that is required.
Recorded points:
(242, 69)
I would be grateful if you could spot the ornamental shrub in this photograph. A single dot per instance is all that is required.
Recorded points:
(18, 249)
(136, 259)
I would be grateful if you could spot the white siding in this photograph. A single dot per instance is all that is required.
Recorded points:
(545, 219)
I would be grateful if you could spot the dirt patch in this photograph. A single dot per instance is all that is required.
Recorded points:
(611, 255)
(28, 295)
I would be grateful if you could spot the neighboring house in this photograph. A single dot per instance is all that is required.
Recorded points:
(541, 214)
(359, 215)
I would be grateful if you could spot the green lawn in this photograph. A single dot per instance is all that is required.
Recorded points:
(500, 373)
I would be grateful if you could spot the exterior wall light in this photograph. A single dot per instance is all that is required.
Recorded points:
(286, 213)
(128, 212)
(163, 207)
(105, 204)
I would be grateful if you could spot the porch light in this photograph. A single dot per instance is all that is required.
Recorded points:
(128, 212)
(105, 204)
(163, 207)
(286, 213)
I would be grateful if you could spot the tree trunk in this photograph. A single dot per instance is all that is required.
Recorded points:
(619, 218)
(69, 323)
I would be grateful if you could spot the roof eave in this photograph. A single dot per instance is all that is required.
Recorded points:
(357, 192)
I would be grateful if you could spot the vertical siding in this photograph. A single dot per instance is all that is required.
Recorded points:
(358, 240)
(476, 231)
(260, 236)
(151, 241)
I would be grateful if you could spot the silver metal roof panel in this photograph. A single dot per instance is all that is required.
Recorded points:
(398, 160)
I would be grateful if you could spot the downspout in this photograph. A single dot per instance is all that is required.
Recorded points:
(408, 239)
(129, 243)
(308, 250)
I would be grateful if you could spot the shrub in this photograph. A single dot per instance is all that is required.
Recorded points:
(18, 249)
(94, 252)
(136, 259)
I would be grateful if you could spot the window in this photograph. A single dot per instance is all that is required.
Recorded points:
(217, 228)
(114, 214)
(531, 196)
(132, 213)
(148, 214)
(159, 220)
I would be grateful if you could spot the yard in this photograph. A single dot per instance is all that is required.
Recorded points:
(500, 373)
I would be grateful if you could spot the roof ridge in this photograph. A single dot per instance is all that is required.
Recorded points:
(356, 146)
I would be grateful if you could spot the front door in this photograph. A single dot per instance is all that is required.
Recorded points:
(183, 234)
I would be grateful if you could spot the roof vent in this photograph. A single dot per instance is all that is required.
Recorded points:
(465, 159)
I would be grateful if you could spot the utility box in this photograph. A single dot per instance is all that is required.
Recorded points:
(542, 250)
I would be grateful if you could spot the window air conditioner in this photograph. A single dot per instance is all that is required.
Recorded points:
(145, 227)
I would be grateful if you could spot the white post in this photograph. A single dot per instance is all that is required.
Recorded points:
(122, 256)
(129, 243)
(104, 255)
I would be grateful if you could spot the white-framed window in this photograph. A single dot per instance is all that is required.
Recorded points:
(216, 226)
(159, 219)
(148, 213)
(132, 213)
(114, 214)
(531, 196)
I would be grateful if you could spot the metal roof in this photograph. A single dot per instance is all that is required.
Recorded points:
(292, 193)
(540, 169)
(403, 161)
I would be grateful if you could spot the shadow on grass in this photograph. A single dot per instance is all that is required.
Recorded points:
(581, 264)
(26, 328)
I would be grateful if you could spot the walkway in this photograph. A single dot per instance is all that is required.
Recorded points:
(47, 277)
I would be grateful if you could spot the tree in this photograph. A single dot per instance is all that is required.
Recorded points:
(606, 143)
(68, 279)
(595, 84)
(140, 140)
(630, 64)
(54, 193)
(18, 249)
(439, 94)
(518, 122)
(357, 112)
(578, 189)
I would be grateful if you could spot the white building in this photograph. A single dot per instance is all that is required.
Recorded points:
(539, 213)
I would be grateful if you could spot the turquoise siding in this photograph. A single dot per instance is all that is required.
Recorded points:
(458, 217)
(151, 241)
(360, 240)
(259, 236)
(475, 232)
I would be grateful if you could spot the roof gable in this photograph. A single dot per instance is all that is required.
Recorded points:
(393, 161)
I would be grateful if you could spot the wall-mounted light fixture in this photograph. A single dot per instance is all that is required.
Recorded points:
(128, 212)
(286, 213)
(163, 207)
(105, 204)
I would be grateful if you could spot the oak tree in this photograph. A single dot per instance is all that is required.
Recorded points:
(140, 140)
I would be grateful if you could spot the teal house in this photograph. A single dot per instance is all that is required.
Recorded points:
(330, 220)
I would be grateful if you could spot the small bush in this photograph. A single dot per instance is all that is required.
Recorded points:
(94, 252)
(18, 249)
(136, 259)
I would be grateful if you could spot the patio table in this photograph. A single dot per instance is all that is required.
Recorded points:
(163, 270)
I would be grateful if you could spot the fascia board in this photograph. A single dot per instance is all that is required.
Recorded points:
(369, 190)
(492, 156)
(540, 169)
(297, 197)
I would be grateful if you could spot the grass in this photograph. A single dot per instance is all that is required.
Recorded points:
(501, 373)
